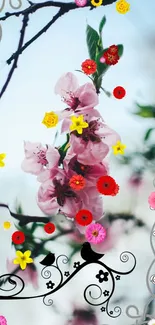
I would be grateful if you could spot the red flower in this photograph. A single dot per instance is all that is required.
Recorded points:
(113, 49)
(77, 182)
(18, 237)
(49, 227)
(119, 92)
(110, 58)
(84, 217)
(89, 66)
(106, 185)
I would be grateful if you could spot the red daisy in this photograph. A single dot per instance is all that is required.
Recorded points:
(18, 237)
(89, 66)
(113, 49)
(49, 227)
(110, 58)
(106, 185)
(119, 92)
(77, 182)
(84, 217)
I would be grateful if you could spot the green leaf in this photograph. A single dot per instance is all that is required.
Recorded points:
(92, 39)
(145, 111)
(148, 133)
(34, 226)
(120, 50)
(102, 23)
(150, 154)
(19, 209)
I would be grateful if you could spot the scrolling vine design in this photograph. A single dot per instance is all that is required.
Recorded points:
(106, 275)
(132, 311)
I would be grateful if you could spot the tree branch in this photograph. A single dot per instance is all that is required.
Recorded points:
(43, 30)
(36, 6)
(63, 8)
(25, 219)
(14, 66)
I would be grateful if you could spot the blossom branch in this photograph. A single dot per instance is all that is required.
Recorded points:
(63, 9)
(14, 66)
(25, 219)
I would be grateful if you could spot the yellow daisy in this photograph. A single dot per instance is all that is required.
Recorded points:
(118, 148)
(2, 157)
(78, 124)
(23, 259)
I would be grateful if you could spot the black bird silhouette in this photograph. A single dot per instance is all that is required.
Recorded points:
(48, 260)
(88, 254)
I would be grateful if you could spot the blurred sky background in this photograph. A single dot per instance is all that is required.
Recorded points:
(31, 93)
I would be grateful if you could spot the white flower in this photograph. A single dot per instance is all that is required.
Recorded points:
(151, 322)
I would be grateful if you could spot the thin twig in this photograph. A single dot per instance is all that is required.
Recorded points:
(14, 66)
(36, 6)
(25, 219)
(43, 30)
(64, 8)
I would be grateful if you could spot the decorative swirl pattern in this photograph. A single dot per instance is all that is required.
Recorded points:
(47, 302)
(93, 293)
(11, 279)
(145, 317)
(124, 257)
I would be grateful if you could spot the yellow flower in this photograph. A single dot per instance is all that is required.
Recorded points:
(122, 6)
(96, 3)
(23, 259)
(78, 124)
(7, 225)
(2, 156)
(50, 119)
(119, 148)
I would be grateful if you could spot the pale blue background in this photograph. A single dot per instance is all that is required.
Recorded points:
(31, 92)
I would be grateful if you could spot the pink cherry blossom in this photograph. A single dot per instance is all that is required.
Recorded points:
(67, 121)
(95, 233)
(93, 144)
(79, 99)
(55, 195)
(3, 320)
(89, 172)
(88, 153)
(29, 275)
(151, 200)
(38, 157)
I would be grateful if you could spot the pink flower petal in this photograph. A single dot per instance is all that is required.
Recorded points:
(151, 200)
(66, 84)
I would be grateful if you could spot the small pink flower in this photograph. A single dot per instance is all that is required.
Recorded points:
(102, 59)
(79, 99)
(95, 233)
(3, 320)
(113, 234)
(81, 3)
(151, 200)
(37, 157)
